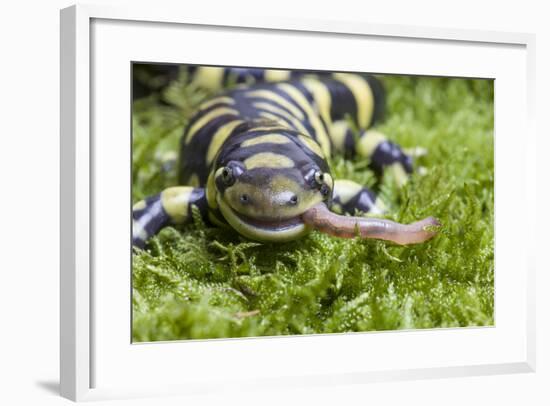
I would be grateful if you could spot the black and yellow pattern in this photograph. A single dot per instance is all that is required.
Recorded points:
(255, 157)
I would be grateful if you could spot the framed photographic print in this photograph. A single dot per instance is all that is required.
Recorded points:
(287, 217)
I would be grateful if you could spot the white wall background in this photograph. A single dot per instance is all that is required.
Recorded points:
(29, 204)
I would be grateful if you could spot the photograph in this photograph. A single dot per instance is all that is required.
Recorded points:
(282, 202)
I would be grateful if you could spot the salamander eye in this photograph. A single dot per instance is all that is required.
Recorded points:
(227, 176)
(319, 177)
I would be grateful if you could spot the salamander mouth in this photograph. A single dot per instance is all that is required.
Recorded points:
(271, 224)
(269, 230)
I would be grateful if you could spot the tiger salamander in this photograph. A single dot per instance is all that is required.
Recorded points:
(255, 158)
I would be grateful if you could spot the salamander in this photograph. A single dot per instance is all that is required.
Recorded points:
(254, 158)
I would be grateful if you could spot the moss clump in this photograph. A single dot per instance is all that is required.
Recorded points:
(201, 282)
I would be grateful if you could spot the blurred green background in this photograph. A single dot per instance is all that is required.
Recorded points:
(201, 282)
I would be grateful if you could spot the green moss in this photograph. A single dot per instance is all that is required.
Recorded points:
(202, 282)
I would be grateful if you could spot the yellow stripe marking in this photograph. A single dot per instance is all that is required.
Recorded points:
(398, 173)
(322, 97)
(363, 96)
(206, 118)
(328, 180)
(219, 138)
(139, 205)
(320, 133)
(138, 231)
(211, 191)
(268, 160)
(312, 145)
(368, 143)
(175, 201)
(274, 97)
(276, 75)
(336, 208)
(265, 139)
(273, 117)
(216, 100)
(345, 189)
(273, 109)
(269, 128)
(298, 126)
(338, 132)
(208, 77)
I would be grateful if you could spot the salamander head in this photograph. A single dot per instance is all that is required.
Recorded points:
(277, 187)
(265, 185)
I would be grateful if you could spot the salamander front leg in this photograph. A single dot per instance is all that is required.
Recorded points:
(350, 197)
(385, 156)
(171, 207)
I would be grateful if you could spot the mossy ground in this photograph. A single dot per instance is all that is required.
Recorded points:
(200, 282)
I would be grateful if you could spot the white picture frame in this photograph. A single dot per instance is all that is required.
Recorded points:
(80, 348)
